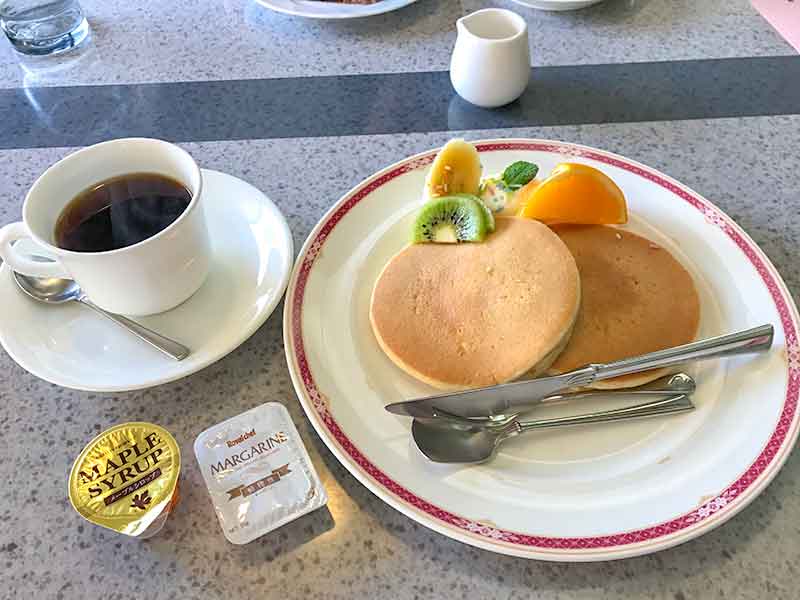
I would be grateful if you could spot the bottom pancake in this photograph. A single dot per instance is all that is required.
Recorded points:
(636, 298)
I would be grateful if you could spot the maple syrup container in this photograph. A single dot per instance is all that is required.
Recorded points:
(126, 479)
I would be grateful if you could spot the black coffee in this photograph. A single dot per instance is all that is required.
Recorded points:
(120, 212)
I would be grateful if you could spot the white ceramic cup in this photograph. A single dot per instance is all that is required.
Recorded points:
(149, 277)
(491, 62)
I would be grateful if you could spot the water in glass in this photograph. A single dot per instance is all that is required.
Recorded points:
(43, 26)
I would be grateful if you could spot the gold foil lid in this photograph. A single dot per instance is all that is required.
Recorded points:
(126, 477)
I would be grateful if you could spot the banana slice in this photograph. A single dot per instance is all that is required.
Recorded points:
(455, 170)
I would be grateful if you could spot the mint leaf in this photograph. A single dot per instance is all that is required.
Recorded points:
(519, 173)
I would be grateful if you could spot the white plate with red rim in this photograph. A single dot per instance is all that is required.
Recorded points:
(314, 9)
(582, 494)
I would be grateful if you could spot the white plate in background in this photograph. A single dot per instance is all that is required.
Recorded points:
(313, 9)
(557, 5)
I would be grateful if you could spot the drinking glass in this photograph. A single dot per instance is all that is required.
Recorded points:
(42, 27)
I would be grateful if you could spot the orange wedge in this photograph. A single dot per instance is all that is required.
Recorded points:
(574, 193)
(522, 197)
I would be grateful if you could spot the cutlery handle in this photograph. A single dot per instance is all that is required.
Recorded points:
(164, 344)
(591, 394)
(748, 341)
(664, 406)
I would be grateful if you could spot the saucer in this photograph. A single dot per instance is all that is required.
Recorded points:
(71, 346)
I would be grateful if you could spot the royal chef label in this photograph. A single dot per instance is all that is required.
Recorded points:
(126, 477)
(258, 472)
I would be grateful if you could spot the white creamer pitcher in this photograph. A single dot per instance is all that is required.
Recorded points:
(491, 62)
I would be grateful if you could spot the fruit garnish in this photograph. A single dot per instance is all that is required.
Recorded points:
(487, 212)
(500, 192)
(519, 173)
(495, 193)
(521, 198)
(575, 193)
(450, 220)
(456, 169)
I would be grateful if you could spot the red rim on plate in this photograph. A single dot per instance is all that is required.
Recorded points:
(712, 513)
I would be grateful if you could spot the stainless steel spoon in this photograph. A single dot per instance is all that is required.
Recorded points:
(676, 383)
(58, 291)
(667, 385)
(462, 440)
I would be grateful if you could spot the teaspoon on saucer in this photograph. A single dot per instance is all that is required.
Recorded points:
(60, 290)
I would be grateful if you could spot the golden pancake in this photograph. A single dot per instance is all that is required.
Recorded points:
(477, 314)
(636, 298)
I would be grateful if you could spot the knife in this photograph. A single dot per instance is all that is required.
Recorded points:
(501, 399)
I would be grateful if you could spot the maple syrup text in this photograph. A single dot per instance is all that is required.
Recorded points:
(124, 466)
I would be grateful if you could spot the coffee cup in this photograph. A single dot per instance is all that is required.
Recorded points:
(150, 276)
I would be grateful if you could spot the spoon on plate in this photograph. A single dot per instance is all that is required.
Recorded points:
(461, 440)
(57, 290)
(667, 385)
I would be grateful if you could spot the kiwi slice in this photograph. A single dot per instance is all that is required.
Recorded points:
(451, 219)
(487, 212)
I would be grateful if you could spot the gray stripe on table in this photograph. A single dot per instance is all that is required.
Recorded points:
(394, 103)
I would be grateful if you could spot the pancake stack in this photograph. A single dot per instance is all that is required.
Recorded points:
(531, 299)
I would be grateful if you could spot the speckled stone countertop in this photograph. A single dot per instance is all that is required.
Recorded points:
(359, 547)
(185, 40)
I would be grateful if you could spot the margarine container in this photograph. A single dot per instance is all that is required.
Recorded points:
(258, 472)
